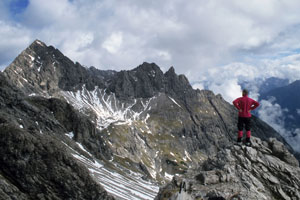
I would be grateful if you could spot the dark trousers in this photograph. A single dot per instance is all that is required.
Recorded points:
(244, 121)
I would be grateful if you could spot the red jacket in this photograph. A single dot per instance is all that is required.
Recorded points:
(245, 105)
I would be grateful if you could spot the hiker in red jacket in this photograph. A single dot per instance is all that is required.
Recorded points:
(245, 104)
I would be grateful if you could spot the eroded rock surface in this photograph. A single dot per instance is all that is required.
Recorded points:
(264, 171)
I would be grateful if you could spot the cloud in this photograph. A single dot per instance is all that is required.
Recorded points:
(229, 89)
(13, 39)
(113, 43)
(190, 36)
(274, 115)
(41, 14)
(223, 79)
(198, 86)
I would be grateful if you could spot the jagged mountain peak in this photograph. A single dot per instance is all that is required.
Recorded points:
(171, 70)
(42, 69)
(147, 67)
(40, 51)
(45, 70)
(37, 42)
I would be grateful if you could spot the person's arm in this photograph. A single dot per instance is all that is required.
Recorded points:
(236, 104)
(255, 104)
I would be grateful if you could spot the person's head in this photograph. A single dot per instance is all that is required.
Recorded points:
(245, 92)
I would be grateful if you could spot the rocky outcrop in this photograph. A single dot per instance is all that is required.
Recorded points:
(34, 163)
(35, 166)
(257, 172)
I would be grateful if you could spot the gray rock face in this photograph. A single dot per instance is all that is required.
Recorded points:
(44, 69)
(34, 163)
(256, 172)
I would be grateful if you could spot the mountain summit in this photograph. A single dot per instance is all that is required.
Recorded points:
(139, 125)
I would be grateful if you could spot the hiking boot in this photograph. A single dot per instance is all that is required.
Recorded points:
(239, 142)
(248, 142)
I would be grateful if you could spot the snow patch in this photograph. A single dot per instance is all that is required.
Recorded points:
(82, 148)
(187, 155)
(21, 126)
(174, 102)
(147, 117)
(152, 73)
(70, 135)
(40, 43)
(131, 186)
(24, 79)
(168, 176)
(108, 108)
(31, 57)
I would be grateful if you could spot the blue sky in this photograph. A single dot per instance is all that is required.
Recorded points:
(17, 6)
(204, 40)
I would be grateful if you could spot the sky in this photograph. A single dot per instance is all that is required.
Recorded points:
(216, 44)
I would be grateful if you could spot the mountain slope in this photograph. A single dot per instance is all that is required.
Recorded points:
(34, 163)
(141, 121)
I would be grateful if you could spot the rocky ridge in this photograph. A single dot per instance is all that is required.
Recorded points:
(139, 121)
(265, 171)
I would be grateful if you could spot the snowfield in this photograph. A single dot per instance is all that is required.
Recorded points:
(122, 186)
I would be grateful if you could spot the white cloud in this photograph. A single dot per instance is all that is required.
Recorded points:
(164, 55)
(191, 36)
(198, 86)
(274, 115)
(194, 35)
(221, 79)
(113, 43)
(13, 39)
(229, 89)
(42, 14)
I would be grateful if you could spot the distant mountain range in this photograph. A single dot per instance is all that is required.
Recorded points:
(271, 84)
(72, 132)
(288, 97)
